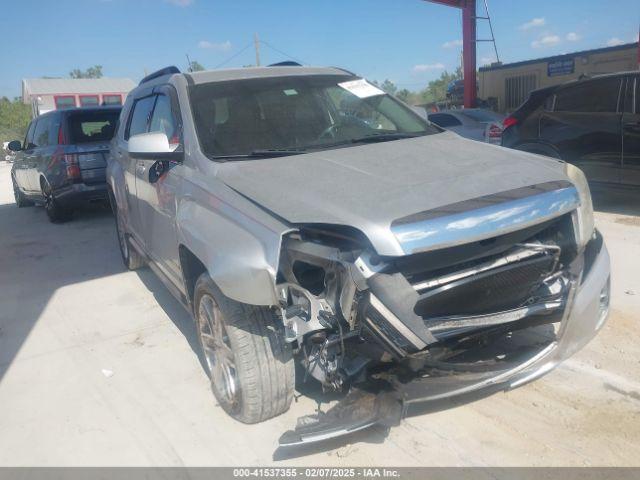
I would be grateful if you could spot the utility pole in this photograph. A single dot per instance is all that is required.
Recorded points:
(256, 43)
(190, 68)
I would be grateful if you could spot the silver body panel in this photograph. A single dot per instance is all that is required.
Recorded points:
(232, 215)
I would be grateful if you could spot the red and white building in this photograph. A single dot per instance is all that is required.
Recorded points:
(46, 94)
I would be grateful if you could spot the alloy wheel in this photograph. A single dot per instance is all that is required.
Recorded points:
(217, 352)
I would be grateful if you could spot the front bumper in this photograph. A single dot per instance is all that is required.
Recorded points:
(584, 316)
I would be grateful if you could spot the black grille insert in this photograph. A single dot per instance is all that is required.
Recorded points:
(494, 290)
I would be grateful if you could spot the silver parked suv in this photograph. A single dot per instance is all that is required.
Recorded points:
(302, 213)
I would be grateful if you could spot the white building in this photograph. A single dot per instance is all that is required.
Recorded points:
(46, 94)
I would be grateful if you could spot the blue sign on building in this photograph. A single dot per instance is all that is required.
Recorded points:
(561, 67)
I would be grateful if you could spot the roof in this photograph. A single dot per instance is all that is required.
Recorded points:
(565, 56)
(47, 86)
(261, 72)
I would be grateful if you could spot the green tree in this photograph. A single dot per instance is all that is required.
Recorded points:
(404, 95)
(195, 66)
(14, 119)
(436, 90)
(91, 72)
(389, 87)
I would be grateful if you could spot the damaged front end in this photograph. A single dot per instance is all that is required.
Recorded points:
(466, 308)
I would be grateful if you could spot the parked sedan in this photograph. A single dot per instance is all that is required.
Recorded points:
(593, 123)
(62, 160)
(474, 123)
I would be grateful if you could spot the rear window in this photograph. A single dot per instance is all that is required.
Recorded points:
(92, 126)
(481, 115)
(444, 120)
(596, 96)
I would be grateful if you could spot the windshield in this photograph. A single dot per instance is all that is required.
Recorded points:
(288, 115)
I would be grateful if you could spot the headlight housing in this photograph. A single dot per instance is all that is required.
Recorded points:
(585, 225)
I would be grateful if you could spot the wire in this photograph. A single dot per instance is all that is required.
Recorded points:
(233, 56)
(267, 44)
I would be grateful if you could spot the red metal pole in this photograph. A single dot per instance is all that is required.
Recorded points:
(469, 53)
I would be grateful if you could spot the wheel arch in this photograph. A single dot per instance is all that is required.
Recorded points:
(239, 252)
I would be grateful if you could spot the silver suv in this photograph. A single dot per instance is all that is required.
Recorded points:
(302, 213)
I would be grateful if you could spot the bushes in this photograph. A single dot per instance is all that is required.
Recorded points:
(14, 119)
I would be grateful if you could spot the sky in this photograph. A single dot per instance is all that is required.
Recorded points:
(407, 41)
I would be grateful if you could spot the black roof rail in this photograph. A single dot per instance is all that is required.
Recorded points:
(286, 63)
(160, 73)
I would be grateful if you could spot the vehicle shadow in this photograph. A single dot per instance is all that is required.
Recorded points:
(39, 258)
(616, 199)
(180, 317)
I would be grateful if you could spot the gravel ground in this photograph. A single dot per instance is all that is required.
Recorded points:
(97, 367)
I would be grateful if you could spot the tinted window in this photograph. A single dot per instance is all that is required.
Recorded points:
(444, 120)
(87, 127)
(28, 139)
(628, 95)
(89, 101)
(65, 102)
(163, 119)
(42, 131)
(481, 115)
(139, 119)
(112, 100)
(596, 96)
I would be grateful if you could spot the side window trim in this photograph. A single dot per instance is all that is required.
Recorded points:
(170, 92)
(29, 136)
(132, 111)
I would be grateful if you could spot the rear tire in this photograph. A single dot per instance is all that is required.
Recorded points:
(248, 361)
(21, 199)
(130, 256)
(55, 212)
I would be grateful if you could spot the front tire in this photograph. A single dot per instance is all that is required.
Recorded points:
(248, 361)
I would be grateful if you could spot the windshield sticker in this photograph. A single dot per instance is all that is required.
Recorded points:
(361, 88)
(290, 92)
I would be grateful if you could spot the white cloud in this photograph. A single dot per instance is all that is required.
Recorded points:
(219, 47)
(546, 41)
(452, 43)
(573, 37)
(536, 22)
(428, 67)
(180, 3)
(487, 60)
(615, 41)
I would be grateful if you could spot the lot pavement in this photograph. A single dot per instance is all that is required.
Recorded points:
(97, 367)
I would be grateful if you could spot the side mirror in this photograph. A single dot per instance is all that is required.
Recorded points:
(15, 146)
(154, 146)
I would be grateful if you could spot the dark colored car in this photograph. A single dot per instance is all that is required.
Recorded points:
(62, 159)
(593, 123)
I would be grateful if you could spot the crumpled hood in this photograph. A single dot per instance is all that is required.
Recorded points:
(369, 186)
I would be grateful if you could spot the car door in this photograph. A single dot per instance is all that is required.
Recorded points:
(39, 157)
(137, 123)
(585, 127)
(157, 198)
(21, 161)
(631, 132)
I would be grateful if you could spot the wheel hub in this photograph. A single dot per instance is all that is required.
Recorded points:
(217, 351)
